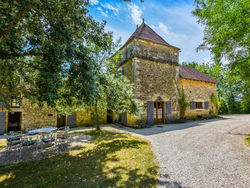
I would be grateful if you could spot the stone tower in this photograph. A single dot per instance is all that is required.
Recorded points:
(153, 66)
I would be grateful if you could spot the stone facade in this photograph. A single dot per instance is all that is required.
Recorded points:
(152, 65)
(34, 117)
(84, 117)
(153, 68)
(198, 91)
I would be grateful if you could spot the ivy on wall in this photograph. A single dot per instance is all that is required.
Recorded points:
(183, 103)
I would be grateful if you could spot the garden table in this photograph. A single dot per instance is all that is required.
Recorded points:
(41, 130)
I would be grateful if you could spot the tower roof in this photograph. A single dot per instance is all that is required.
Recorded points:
(145, 32)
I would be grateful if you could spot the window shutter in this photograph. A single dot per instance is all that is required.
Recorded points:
(71, 120)
(206, 105)
(168, 112)
(150, 113)
(192, 105)
(2, 122)
(124, 118)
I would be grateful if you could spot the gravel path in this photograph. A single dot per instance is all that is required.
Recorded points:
(201, 154)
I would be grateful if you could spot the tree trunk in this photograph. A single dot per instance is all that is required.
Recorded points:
(97, 116)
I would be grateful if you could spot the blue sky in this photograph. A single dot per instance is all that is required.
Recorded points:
(171, 19)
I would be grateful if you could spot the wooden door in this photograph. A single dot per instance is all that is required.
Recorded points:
(61, 121)
(14, 121)
(159, 112)
(109, 116)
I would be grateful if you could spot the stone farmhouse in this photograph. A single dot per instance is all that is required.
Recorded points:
(152, 65)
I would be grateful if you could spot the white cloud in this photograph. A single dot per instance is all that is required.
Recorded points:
(110, 7)
(136, 13)
(94, 2)
(105, 14)
(164, 29)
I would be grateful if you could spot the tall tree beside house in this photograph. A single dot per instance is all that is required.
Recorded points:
(44, 43)
(114, 92)
(226, 35)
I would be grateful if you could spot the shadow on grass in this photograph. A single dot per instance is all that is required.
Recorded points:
(113, 160)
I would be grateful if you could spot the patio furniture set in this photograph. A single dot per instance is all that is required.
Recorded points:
(36, 140)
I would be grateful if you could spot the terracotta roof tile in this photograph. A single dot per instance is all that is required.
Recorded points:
(145, 32)
(194, 74)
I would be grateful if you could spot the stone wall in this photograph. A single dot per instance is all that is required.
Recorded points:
(84, 117)
(153, 69)
(152, 80)
(32, 116)
(35, 117)
(198, 91)
(151, 51)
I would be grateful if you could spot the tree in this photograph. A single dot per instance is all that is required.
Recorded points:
(48, 51)
(114, 92)
(226, 31)
(226, 34)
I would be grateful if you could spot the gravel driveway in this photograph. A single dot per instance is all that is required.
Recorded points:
(201, 154)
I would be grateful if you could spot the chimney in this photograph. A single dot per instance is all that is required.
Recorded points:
(142, 20)
(136, 26)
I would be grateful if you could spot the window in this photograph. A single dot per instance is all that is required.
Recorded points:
(199, 105)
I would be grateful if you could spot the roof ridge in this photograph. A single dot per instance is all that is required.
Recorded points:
(147, 33)
(194, 74)
(140, 29)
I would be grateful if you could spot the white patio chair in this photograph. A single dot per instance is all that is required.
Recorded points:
(29, 142)
(48, 138)
(62, 138)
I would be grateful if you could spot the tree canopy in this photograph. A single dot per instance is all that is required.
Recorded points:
(226, 34)
(55, 54)
(48, 45)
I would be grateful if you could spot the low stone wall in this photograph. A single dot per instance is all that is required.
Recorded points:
(35, 117)
(84, 117)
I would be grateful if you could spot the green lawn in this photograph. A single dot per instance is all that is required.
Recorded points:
(112, 160)
(248, 139)
(3, 144)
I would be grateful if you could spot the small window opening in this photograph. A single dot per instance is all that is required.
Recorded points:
(199, 105)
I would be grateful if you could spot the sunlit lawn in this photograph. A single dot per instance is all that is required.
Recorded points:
(111, 160)
(248, 139)
(2, 143)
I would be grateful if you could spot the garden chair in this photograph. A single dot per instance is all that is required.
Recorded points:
(28, 142)
(62, 137)
(13, 144)
(48, 138)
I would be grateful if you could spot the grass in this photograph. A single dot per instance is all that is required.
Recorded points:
(248, 139)
(3, 143)
(111, 160)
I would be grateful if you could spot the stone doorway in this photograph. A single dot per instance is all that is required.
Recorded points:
(109, 116)
(159, 112)
(14, 121)
(61, 121)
